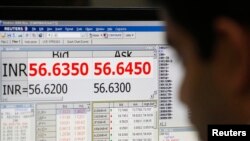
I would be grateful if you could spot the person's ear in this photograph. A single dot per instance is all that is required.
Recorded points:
(231, 56)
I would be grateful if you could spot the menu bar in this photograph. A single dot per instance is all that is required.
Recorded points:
(83, 28)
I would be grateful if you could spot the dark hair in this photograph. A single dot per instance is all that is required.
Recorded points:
(197, 17)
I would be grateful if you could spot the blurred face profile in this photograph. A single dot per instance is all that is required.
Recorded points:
(196, 83)
(206, 90)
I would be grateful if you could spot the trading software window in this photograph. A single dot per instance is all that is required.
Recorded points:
(83, 81)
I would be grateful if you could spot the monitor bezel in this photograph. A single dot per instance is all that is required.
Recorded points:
(79, 14)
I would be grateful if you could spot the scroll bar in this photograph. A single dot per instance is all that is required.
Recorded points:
(22, 99)
(156, 119)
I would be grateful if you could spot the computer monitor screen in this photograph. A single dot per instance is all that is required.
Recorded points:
(75, 80)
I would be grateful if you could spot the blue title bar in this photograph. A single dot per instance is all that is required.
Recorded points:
(83, 28)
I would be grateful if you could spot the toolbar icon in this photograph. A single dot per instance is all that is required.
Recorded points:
(9, 35)
(40, 35)
(2, 35)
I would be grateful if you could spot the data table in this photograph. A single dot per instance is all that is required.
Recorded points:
(17, 122)
(125, 121)
(63, 122)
